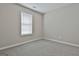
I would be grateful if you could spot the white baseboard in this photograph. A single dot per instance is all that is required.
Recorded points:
(63, 42)
(58, 41)
(18, 44)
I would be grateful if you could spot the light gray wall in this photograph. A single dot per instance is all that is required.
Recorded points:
(10, 25)
(63, 24)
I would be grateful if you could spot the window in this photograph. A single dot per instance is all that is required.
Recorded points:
(26, 23)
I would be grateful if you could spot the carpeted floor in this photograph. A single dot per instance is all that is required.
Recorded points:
(42, 48)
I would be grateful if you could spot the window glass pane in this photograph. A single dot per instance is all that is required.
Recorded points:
(26, 18)
(26, 29)
(26, 23)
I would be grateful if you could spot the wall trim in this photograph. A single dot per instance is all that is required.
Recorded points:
(19, 4)
(53, 40)
(18, 44)
(63, 42)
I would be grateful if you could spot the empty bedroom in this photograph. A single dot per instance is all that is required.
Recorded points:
(39, 29)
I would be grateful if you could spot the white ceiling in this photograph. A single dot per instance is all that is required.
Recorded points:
(44, 7)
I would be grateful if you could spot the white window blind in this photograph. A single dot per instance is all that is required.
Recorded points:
(26, 23)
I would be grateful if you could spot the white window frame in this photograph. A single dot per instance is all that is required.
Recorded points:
(29, 24)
